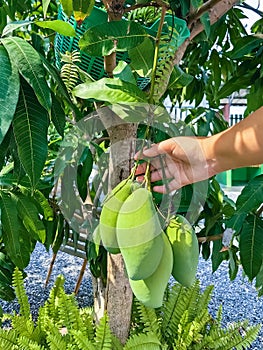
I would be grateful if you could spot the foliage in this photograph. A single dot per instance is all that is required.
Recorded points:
(39, 107)
(182, 322)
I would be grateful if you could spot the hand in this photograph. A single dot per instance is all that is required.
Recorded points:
(181, 160)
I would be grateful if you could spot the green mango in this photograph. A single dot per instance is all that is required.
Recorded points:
(185, 250)
(150, 291)
(109, 214)
(139, 237)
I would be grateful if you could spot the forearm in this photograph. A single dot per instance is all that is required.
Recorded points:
(238, 146)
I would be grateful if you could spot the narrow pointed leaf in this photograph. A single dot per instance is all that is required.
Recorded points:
(67, 7)
(245, 46)
(59, 26)
(29, 214)
(110, 90)
(251, 246)
(9, 92)
(58, 116)
(111, 37)
(251, 196)
(30, 126)
(16, 239)
(10, 27)
(30, 66)
(45, 4)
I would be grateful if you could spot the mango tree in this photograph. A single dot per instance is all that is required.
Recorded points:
(184, 50)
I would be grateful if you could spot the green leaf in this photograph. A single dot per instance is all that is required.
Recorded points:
(59, 26)
(251, 196)
(143, 341)
(123, 71)
(196, 3)
(30, 127)
(142, 57)
(6, 292)
(15, 237)
(110, 90)
(244, 46)
(45, 4)
(29, 214)
(58, 116)
(10, 27)
(251, 245)
(67, 7)
(9, 92)
(29, 64)
(111, 37)
(205, 20)
(43, 205)
(82, 9)
(179, 78)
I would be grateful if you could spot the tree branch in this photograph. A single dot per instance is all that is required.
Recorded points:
(216, 9)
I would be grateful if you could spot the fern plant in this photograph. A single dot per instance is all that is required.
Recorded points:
(182, 323)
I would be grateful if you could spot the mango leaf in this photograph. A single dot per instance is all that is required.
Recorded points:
(205, 20)
(58, 115)
(45, 4)
(110, 90)
(142, 57)
(196, 3)
(251, 196)
(43, 205)
(111, 37)
(29, 64)
(124, 72)
(251, 245)
(179, 78)
(255, 97)
(244, 46)
(29, 214)
(15, 237)
(59, 26)
(82, 9)
(67, 6)
(6, 292)
(10, 27)
(9, 92)
(30, 127)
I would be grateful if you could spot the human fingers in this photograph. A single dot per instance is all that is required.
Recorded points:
(147, 152)
(171, 186)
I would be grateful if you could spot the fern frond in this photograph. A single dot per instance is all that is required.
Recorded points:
(173, 309)
(50, 308)
(18, 284)
(235, 339)
(149, 319)
(148, 341)
(27, 344)
(23, 326)
(81, 341)
(56, 341)
(103, 338)
(70, 75)
(165, 63)
(87, 318)
(68, 311)
(116, 344)
(8, 338)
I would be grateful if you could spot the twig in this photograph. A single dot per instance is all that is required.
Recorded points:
(209, 238)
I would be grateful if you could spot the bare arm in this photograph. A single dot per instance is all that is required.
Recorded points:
(187, 159)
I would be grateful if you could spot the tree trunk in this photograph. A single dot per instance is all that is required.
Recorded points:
(118, 293)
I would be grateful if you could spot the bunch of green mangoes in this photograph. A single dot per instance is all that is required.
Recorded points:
(130, 225)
